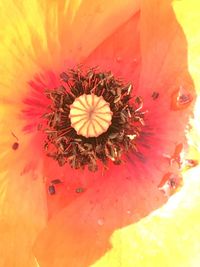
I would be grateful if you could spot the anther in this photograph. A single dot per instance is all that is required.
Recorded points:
(91, 120)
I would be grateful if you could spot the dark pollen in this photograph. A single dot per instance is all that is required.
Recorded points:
(52, 190)
(155, 95)
(15, 146)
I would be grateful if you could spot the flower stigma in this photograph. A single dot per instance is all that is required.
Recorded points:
(93, 118)
(90, 115)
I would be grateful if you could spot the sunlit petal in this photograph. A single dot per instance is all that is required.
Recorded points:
(125, 197)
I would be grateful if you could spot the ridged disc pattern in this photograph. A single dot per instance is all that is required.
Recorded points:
(90, 115)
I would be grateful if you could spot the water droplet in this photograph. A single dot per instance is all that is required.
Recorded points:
(128, 211)
(135, 60)
(118, 59)
(180, 99)
(100, 221)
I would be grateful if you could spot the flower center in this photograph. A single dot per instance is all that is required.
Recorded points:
(90, 115)
(92, 119)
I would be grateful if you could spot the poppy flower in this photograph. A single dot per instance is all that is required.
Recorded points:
(60, 211)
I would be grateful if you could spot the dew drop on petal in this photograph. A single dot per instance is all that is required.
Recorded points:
(135, 60)
(118, 59)
(128, 212)
(100, 221)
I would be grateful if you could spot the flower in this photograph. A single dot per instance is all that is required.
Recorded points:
(148, 49)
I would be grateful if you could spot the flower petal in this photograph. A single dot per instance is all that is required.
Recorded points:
(80, 233)
(120, 52)
(165, 70)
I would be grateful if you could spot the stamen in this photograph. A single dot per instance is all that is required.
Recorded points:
(91, 120)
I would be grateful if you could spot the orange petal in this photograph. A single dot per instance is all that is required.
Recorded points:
(120, 52)
(165, 70)
(80, 233)
(73, 184)
(22, 204)
(22, 217)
